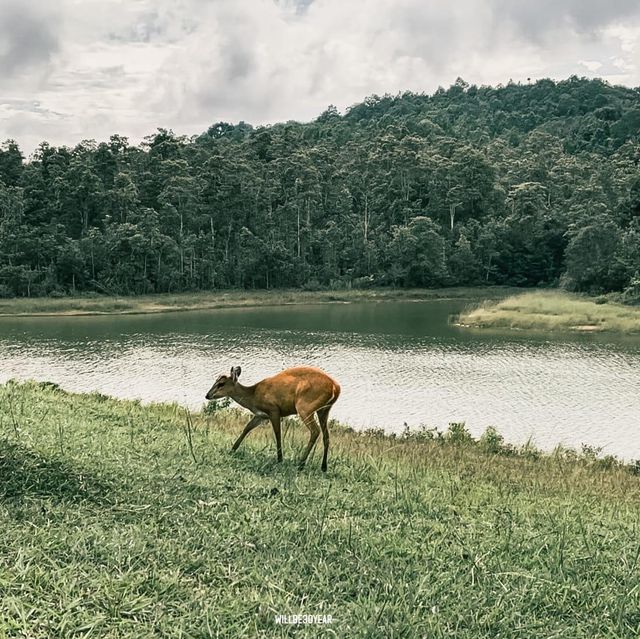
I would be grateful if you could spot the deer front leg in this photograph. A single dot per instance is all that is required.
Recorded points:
(255, 421)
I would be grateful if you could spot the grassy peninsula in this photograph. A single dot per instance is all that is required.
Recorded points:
(554, 310)
(161, 303)
(126, 520)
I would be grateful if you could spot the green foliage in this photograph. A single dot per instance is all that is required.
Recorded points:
(416, 253)
(520, 185)
(591, 257)
(492, 441)
(631, 294)
(458, 433)
(211, 408)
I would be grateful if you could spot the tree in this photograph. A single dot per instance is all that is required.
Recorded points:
(469, 184)
(591, 257)
(11, 163)
(417, 254)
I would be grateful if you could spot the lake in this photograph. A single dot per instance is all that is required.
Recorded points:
(397, 362)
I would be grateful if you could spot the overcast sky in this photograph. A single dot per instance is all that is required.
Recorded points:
(78, 69)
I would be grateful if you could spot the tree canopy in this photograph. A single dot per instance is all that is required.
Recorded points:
(534, 184)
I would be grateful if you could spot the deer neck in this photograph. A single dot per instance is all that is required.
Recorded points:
(245, 396)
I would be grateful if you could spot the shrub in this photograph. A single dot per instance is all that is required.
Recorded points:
(313, 285)
(215, 406)
(631, 294)
(492, 441)
(422, 433)
(458, 433)
(590, 453)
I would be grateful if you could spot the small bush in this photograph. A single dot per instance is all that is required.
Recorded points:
(458, 433)
(422, 433)
(366, 281)
(377, 433)
(215, 406)
(313, 285)
(631, 295)
(340, 285)
(590, 453)
(492, 441)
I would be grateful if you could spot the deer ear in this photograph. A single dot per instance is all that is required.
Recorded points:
(235, 373)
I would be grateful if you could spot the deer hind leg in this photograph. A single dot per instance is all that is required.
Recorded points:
(275, 422)
(323, 418)
(310, 422)
(255, 421)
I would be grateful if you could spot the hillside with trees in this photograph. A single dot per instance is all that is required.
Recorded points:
(527, 185)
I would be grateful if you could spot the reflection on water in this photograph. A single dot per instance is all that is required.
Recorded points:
(397, 362)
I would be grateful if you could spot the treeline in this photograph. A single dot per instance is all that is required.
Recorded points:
(520, 184)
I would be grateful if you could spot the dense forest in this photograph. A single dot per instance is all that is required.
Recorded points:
(527, 185)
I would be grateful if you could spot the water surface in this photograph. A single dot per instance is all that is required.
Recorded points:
(398, 363)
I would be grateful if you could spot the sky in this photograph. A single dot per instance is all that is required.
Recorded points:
(72, 70)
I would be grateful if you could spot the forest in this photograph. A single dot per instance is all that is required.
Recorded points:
(533, 184)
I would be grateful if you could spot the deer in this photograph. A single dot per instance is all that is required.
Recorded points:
(302, 390)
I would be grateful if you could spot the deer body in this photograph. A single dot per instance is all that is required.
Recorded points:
(303, 390)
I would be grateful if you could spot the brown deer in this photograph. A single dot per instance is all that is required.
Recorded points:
(303, 390)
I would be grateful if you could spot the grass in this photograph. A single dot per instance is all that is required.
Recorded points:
(124, 520)
(103, 305)
(554, 310)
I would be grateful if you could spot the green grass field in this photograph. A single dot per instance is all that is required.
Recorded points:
(124, 520)
(104, 305)
(554, 310)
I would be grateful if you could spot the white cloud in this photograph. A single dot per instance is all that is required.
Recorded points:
(591, 65)
(96, 67)
(628, 36)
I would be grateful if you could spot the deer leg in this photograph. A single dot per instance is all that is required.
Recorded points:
(323, 417)
(275, 422)
(255, 421)
(309, 421)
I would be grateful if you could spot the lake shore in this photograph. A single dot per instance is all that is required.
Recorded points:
(163, 303)
(171, 534)
(554, 310)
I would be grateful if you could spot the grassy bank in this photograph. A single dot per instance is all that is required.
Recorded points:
(125, 520)
(102, 305)
(554, 310)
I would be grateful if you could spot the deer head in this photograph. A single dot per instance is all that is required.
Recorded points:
(224, 385)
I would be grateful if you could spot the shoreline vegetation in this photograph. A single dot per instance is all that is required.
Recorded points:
(129, 519)
(165, 302)
(500, 307)
(554, 310)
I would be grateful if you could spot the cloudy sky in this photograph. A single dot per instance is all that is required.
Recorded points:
(79, 69)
